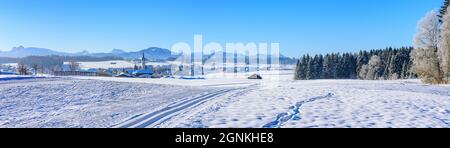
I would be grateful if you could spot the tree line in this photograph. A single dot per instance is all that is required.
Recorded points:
(388, 63)
(428, 59)
(48, 64)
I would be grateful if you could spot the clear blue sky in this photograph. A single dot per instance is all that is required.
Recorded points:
(300, 26)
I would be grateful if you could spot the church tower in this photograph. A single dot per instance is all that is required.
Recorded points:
(143, 61)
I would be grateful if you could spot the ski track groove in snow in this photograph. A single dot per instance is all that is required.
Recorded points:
(66, 102)
(148, 120)
(295, 114)
(191, 118)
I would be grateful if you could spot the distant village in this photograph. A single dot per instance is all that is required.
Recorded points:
(136, 68)
(141, 67)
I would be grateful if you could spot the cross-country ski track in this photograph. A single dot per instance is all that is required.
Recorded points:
(152, 119)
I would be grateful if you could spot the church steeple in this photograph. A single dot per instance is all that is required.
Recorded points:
(143, 61)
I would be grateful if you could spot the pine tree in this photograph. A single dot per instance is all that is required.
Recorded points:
(334, 65)
(407, 63)
(301, 68)
(353, 66)
(351, 62)
(392, 68)
(316, 67)
(327, 67)
(386, 72)
(362, 59)
(340, 67)
(297, 70)
(443, 9)
(404, 73)
(309, 68)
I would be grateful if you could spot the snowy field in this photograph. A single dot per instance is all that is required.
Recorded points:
(329, 104)
(275, 102)
(65, 102)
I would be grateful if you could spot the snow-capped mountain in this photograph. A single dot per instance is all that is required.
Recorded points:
(151, 53)
(19, 52)
(117, 51)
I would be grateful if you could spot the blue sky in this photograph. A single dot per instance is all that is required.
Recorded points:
(300, 26)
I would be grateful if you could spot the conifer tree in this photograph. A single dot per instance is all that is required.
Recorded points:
(309, 68)
(297, 70)
(394, 63)
(443, 9)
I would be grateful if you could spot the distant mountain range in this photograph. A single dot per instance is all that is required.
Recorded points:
(152, 53)
(20, 52)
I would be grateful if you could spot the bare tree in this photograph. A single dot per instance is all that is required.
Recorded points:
(22, 69)
(444, 48)
(424, 55)
(363, 71)
(73, 66)
(372, 70)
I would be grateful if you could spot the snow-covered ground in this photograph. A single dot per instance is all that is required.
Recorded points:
(330, 103)
(21, 77)
(230, 101)
(65, 102)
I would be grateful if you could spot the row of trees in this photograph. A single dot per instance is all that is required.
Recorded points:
(431, 55)
(389, 63)
(429, 59)
(329, 66)
(21, 69)
(385, 64)
(48, 64)
(24, 69)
